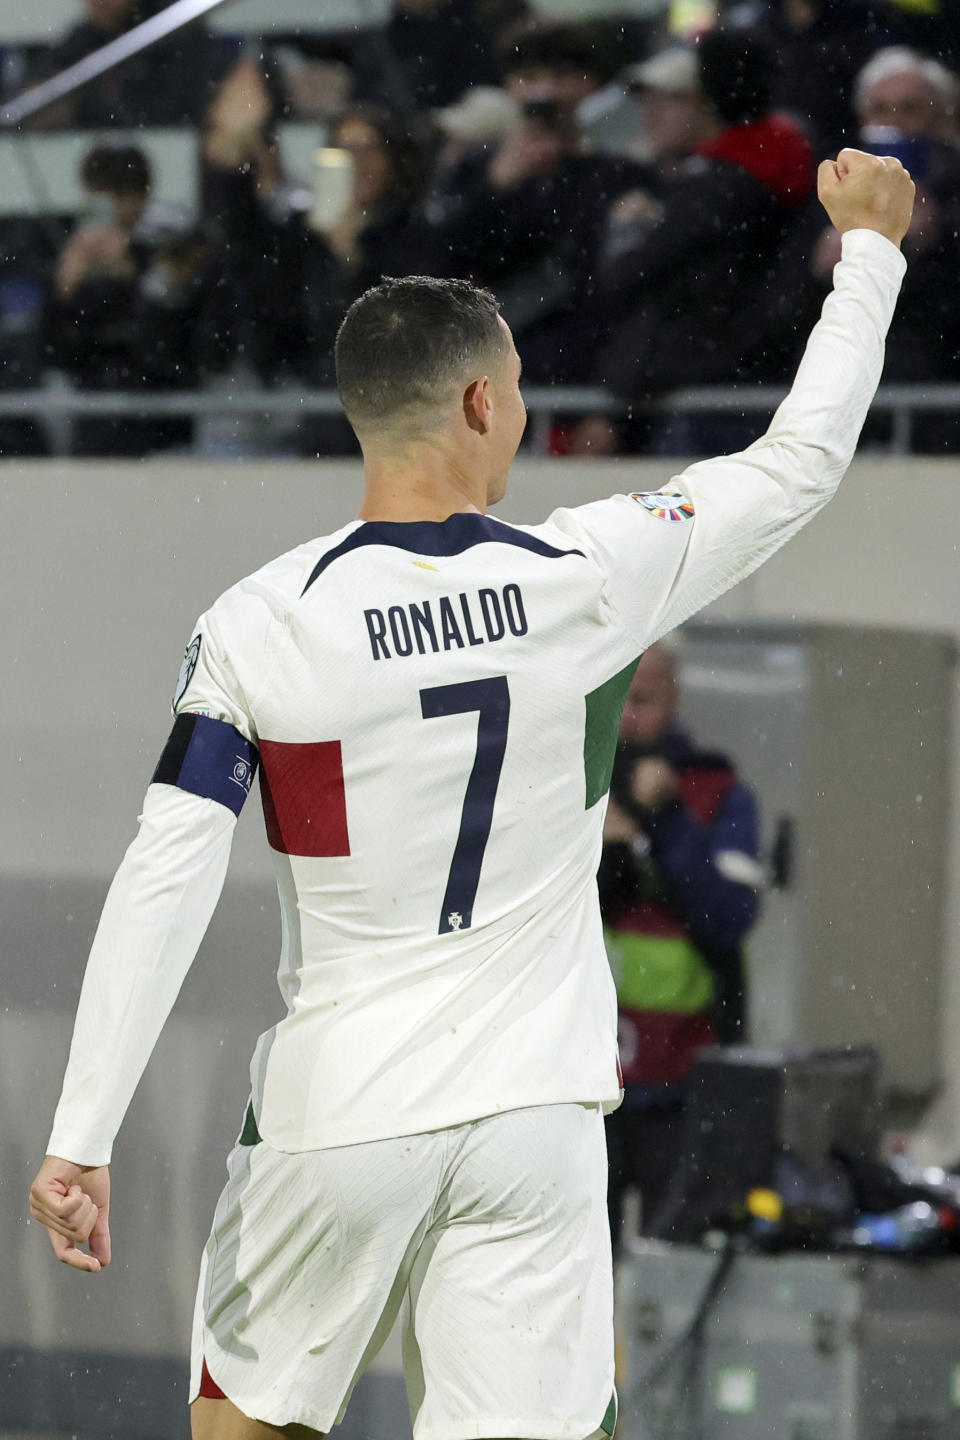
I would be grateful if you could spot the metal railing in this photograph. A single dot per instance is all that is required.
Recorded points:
(141, 37)
(544, 403)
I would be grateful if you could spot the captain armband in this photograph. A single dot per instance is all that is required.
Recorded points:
(209, 758)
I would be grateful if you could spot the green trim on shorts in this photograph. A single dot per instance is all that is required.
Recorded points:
(249, 1135)
(609, 1422)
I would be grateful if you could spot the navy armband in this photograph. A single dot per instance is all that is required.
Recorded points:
(208, 758)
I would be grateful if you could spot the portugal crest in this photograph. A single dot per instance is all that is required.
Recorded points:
(189, 664)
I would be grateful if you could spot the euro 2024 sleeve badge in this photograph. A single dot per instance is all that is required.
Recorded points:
(664, 505)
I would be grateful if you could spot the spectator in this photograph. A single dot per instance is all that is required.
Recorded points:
(481, 118)
(129, 296)
(426, 55)
(679, 880)
(576, 65)
(296, 259)
(675, 114)
(906, 106)
(166, 85)
(901, 89)
(689, 266)
(525, 219)
(27, 253)
(821, 44)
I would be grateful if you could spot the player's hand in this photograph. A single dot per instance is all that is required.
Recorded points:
(867, 192)
(73, 1201)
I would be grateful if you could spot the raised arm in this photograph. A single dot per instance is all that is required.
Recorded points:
(665, 558)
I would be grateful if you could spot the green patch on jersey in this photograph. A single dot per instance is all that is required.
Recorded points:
(249, 1135)
(601, 731)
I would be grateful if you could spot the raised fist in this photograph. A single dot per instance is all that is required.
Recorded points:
(867, 192)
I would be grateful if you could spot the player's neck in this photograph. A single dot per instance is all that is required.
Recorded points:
(422, 484)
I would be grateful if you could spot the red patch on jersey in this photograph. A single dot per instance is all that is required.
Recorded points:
(303, 801)
(209, 1388)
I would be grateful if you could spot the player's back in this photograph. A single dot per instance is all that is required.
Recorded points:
(422, 699)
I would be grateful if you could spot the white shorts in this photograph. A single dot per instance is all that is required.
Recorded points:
(495, 1236)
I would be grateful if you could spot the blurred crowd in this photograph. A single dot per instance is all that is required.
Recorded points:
(639, 193)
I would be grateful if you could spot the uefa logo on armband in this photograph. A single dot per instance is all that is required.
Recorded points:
(665, 506)
(242, 774)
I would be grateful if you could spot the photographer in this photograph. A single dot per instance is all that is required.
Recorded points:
(526, 218)
(678, 883)
(293, 264)
(131, 293)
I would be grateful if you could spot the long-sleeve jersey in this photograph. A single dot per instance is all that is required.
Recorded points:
(434, 710)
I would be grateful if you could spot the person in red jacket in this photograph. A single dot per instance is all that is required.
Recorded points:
(679, 880)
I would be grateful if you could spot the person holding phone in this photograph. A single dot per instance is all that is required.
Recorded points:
(526, 216)
(296, 257)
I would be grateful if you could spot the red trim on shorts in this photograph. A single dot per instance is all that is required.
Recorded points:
(209, 1388)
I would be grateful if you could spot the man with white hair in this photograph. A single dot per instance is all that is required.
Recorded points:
(902, 89)
(906, 105)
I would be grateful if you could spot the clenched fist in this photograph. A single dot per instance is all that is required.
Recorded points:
(73, 1201)
(867, 192)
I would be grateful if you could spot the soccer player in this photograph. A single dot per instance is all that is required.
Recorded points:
(432, 697)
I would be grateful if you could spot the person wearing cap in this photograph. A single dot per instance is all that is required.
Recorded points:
(674, 112)
(480, 119)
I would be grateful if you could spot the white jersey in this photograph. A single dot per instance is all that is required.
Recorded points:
(434, 708)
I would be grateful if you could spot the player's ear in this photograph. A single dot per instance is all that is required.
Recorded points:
(478, 405)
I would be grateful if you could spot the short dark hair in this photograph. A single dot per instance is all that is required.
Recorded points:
(589, 48)
(406, 344)
(116, 170)
(737, 70)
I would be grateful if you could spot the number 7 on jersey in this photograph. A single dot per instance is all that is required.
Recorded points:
(492, 699)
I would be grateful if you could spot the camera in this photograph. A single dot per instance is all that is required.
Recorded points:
(548, 112)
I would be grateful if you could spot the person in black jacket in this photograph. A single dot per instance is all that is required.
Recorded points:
(129, 305)
(525, 218)
(689, 277)
(426, 55)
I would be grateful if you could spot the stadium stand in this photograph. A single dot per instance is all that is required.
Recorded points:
(315, 57)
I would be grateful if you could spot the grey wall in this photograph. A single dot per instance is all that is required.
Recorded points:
(103, 570)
